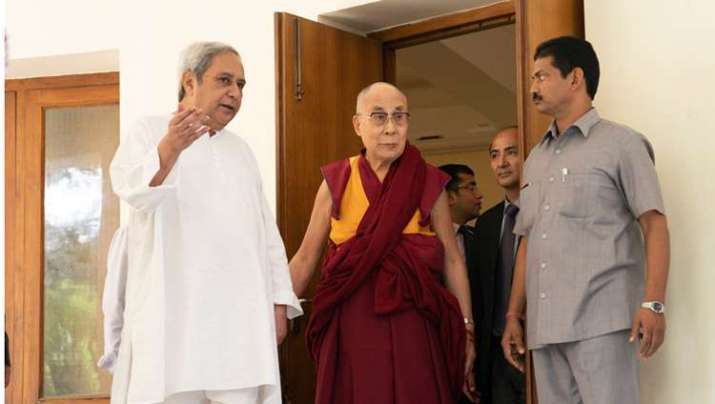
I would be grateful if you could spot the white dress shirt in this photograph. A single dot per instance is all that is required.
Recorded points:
(115, 285)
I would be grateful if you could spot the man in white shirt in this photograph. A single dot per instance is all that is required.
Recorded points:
(208, 291)
(115, 284)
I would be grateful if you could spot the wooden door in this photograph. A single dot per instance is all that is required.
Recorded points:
(320, 71)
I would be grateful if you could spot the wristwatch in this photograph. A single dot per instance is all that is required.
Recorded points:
(654, 306)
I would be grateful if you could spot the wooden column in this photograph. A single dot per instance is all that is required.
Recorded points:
(538, 21)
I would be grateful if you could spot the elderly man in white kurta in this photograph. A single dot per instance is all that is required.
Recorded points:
(208, 289)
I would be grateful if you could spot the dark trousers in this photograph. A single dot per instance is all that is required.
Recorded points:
(508, 383)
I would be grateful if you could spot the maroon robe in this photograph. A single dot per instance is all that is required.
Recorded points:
(383, 328)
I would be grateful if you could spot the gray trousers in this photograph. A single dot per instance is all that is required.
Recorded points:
(600, 370)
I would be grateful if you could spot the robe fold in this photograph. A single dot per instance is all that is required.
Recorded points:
(383, 328)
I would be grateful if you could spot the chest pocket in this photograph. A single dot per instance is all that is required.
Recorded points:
(580, 194)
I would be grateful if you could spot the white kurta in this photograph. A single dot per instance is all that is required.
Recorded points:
(206, 266)
(115, 285)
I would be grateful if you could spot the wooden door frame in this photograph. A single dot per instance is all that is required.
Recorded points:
(24, 230)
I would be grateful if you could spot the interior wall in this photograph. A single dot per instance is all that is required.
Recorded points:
(657, 77)
(42, 28)
(477, 160)
(149, 37)
(60, 65)
(149, 56)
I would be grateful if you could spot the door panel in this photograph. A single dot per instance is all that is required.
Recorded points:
(320, 71)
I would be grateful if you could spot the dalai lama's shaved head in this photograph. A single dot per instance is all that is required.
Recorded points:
(377, 86)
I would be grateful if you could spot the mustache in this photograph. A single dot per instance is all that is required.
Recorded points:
(536, 97)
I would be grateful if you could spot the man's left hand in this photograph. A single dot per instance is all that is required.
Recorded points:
(281, 322)
(651, 327)
(469, 389)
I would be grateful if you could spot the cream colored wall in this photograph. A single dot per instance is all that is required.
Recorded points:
(478, 160)
(60, 65)
(149, 55)
(40, 28)
(150, 35)
(658, 76)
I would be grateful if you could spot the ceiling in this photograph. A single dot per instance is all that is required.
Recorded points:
(462, 89)
(383, 14)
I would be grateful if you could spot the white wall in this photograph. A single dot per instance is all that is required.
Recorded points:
(149, 36)
(658, 76)
(149, 53)
(38, 28)
(60, 65)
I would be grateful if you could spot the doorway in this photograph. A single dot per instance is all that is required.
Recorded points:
(320, 68)
(461, 91)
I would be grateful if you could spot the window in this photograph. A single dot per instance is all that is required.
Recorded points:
(62, 215)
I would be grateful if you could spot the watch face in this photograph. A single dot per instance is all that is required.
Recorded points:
(657, 307)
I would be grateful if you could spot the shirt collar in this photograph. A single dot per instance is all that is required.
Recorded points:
(583, 124)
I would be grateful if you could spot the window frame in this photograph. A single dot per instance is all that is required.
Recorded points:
(26, 100)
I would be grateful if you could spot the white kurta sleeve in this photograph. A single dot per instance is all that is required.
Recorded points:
(282, 284)
(113, 298)
(135, 164)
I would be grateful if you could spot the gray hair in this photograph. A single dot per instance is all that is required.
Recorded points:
(196, 59)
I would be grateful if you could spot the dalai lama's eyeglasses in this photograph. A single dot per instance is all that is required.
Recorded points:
(399, 118)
